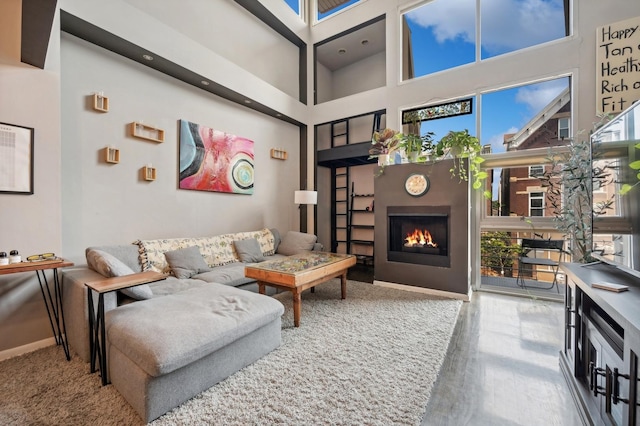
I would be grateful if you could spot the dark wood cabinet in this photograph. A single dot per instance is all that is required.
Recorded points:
(602, 340)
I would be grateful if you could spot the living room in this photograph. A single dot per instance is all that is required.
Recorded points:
(80, 201)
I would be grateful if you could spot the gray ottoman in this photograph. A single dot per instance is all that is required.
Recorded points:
(165, 350)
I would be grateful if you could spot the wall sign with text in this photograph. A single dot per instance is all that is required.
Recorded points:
(618, 65)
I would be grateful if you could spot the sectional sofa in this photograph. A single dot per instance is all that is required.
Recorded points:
(168, 341)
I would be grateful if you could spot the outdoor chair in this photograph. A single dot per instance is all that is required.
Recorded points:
(535, 253)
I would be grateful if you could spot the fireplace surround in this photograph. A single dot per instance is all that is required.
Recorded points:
(418, 234)
(443, 211)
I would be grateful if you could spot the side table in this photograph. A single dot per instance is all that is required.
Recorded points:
(97, 332)
(52, 303)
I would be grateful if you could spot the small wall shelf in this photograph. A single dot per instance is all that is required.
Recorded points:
(111, 155)
(150, 133)
(100, 102)
(278, 153)
(149, 173)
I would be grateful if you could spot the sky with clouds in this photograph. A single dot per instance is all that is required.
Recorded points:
(507, 25)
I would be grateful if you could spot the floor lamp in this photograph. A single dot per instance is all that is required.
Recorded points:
(303, 199)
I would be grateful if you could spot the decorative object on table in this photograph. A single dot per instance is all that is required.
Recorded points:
(41, 257)
(416, 184)
(16, 159)
(212, 160)
(14, 257)
(4, 260)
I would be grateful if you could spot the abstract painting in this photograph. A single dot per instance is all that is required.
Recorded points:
(212, 160)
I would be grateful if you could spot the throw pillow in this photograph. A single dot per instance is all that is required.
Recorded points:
(248, 250)
(110, 266)
(276, 239)
(295, 242)
(186, 262)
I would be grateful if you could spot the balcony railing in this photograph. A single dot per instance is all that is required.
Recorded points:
(499, 269)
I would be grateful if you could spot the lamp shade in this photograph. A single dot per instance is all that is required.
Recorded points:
(305, 197)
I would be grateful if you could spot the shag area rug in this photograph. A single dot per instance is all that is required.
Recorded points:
(369, 359)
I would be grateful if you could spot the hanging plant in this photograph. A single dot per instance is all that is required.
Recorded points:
(460, 145)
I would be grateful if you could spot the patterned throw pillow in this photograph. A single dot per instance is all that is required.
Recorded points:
(217, 250)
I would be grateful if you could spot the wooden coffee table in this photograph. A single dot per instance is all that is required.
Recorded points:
(301, 271)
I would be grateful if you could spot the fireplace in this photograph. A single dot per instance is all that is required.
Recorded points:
(440, 216)
(419, 235)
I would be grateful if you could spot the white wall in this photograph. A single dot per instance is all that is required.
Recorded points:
(225, 26)
(366, 74)
(109, 204)
(324, 83)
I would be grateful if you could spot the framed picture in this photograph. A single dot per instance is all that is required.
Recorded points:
(16, 159)
(212, 160)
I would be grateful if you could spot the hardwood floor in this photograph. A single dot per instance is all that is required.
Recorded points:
(502, 366)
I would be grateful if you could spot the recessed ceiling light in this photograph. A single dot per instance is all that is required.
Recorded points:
(278, 115)
(205, 82)
(247, 101)
(342, 51)
(364, 42)
(147, 57)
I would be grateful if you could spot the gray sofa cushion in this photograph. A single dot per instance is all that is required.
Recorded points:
(174, 285)
(295, 242)
(186, 262)
(276, 239)
(109, 266)
(248, 250)
(173, 331)
(231, 274)
(126, 253)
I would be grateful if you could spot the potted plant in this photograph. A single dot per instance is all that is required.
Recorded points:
(414, 145)
(460, 145)
(568, 179)
(384, 144)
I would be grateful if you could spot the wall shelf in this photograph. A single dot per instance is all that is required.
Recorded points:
(111, 155)
(279, 154)
(149, 173)
(100, 102)
(150, 133)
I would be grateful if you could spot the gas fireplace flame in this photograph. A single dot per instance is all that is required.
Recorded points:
(419, 238)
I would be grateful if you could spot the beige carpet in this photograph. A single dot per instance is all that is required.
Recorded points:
(370, 359)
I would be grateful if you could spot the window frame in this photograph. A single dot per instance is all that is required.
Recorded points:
(533, 196)
(536, 166)
(562, 120)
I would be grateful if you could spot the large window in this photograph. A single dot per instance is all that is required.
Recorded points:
(441, 34)
(525, 117)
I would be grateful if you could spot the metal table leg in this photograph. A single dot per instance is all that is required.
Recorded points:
(55, 311)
